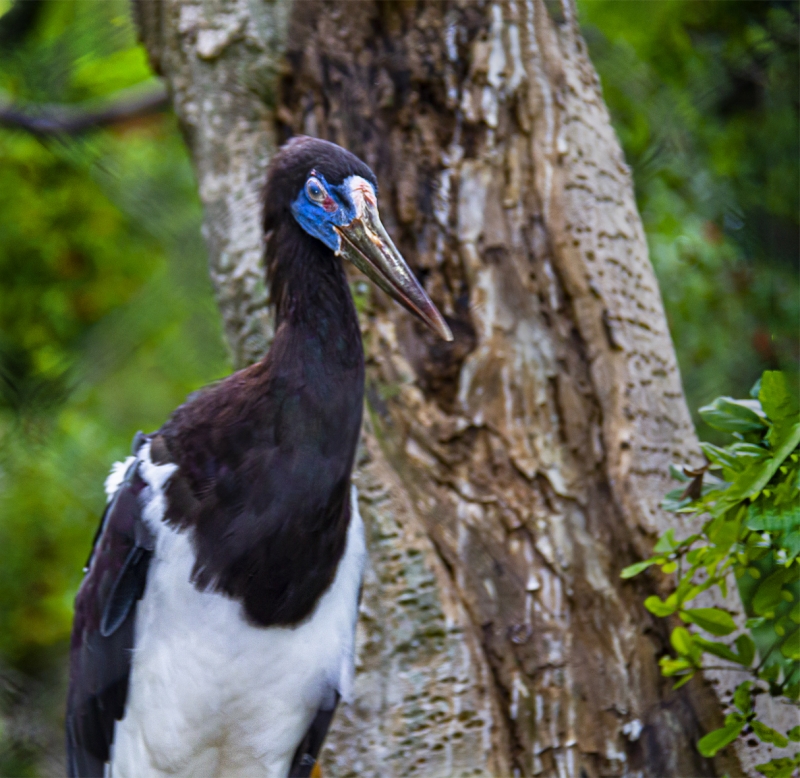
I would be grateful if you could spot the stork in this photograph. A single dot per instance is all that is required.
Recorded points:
(214, 628)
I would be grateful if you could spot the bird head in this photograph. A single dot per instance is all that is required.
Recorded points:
(332, 195)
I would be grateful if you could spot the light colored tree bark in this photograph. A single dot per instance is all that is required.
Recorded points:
(508, 478)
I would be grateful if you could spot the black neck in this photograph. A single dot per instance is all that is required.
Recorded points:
(311, 295)
(317, 353)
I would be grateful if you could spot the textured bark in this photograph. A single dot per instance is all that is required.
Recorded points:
(507, 478)
(222, 61)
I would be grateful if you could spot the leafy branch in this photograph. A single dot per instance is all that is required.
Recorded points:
(748, 492)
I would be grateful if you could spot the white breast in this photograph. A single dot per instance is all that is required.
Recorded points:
(211, 695)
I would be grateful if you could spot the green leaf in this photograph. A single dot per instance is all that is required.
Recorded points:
(791, 542)
(741, 697)
(786, 624)
(777, 400)
(746, 648)
(790, 648)
(787, 490)
(659, 607)
(717, 649)
(666, 542)
(794, 734)
(768, 594)
(671, 666)
(696, 555)
(772, 519)
(770, 673)
(709, 744)
(689, 594)
(637, 568)
(757, 475)
(675, 501)
(729, 415)
(782, 767)
(783, 444)
(768, 735)
(712, 620)
(724, 529)
(748, 450)
(684, 680)
(722, 456)
(682, 641)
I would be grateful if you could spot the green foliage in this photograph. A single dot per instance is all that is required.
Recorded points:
(107, 322)
(719, 738)
(704, 98)
(784, 767)
(749, 497)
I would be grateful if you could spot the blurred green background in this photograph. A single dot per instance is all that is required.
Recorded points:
(107, 322)
(107, 319)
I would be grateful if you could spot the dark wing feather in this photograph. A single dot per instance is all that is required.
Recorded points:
(102, 633)
(308, 751)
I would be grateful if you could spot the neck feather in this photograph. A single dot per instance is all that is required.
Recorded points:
(308, 286)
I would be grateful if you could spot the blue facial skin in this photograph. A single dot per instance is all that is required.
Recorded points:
(319, 219)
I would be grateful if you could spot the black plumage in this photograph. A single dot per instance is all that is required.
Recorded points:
(102, 635)
(264, 460)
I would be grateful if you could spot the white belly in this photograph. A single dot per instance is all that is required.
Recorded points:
(209, 694)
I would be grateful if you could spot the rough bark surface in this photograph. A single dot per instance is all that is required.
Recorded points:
(506, 478)
(222, 61)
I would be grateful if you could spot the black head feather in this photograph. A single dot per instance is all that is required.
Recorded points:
(292, 165)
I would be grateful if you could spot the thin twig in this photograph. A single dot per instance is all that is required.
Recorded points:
(76, 119)
(777, 644)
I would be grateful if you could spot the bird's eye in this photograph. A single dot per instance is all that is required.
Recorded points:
(315, 190)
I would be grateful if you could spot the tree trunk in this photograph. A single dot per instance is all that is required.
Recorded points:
(508, 477)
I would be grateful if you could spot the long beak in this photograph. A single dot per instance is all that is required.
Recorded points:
(368, 246)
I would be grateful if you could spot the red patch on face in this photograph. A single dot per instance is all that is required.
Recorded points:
(329, 205)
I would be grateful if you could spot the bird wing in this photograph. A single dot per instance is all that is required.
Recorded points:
(102, 633)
